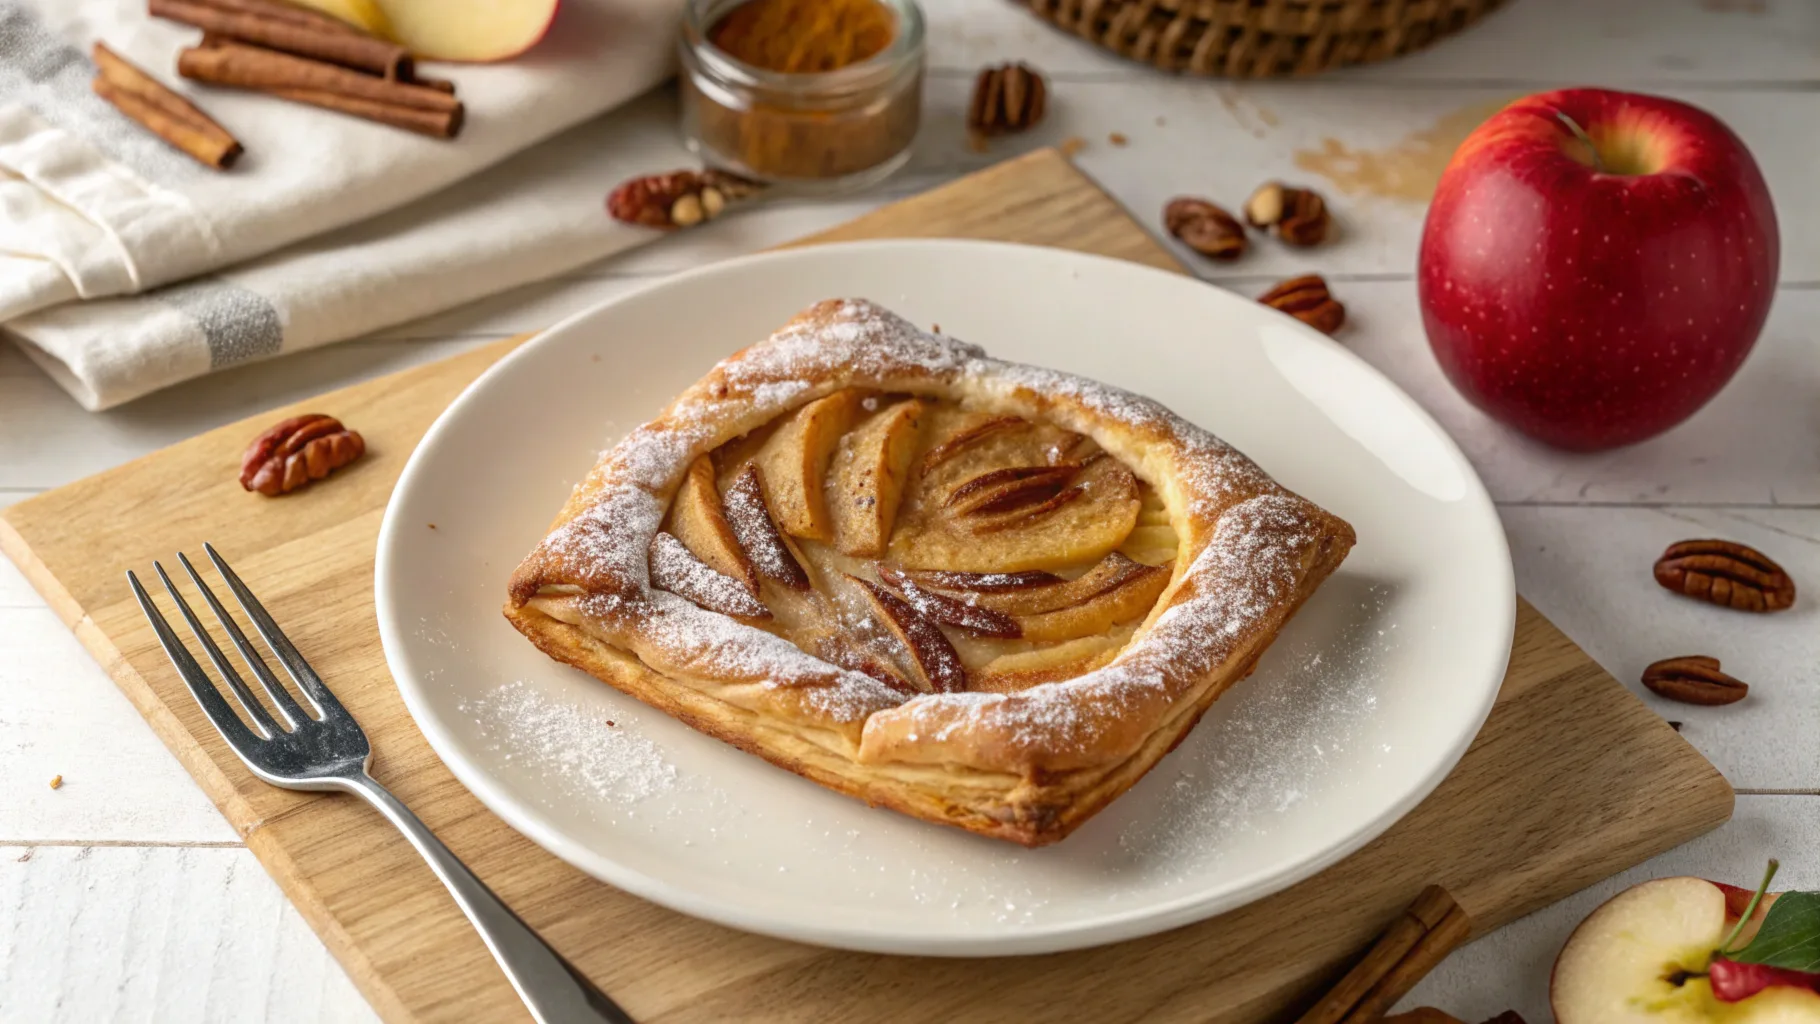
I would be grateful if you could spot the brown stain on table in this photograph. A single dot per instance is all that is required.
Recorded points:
(1409, 169)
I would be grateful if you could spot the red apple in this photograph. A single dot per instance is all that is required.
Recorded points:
(1597, 264)
(1647, 955)
(1734, 982)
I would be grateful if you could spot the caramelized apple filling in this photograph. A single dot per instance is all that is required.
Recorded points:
(934, 548)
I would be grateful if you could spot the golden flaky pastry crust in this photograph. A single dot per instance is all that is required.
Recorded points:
(1027, 766)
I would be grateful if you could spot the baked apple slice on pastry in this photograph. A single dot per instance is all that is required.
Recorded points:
(795, 458)
(986, 595)
(866, 480)
(698, 519)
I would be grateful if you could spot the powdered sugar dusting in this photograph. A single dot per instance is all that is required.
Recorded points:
(680, 637)
(1266, 748)
(676, 569)
(579, 750)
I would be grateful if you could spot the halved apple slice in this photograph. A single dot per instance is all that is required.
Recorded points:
(968, 430)
(795, 460)
(985, 582)
(942, 608)
(676, 569)
(938, 667)
(698, 519)
(1010, 489)
(750, 520)
(867, 479)
(1130, 598)
(845, 652)
(1080, 523)
(1021, 670)
(1033, 593)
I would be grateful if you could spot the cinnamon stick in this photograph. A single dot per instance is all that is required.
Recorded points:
(167, 115)
(1428, 911)
(438, 84)
(305, 38)
(251, 67)
(1433, 948)
(434, 123)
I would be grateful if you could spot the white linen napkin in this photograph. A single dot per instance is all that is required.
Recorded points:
(93, 206)
(536, 215)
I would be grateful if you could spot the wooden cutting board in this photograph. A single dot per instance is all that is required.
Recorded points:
(1572, 779)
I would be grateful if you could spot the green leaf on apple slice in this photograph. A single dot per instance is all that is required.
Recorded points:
(1790, 936)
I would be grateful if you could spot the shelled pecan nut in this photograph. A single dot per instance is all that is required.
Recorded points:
(1307, 299)
(1205, 228)
(1007, 98)
(677, 199)
(1693, 679)
(1726, 574)
(297, 451)
(1298, 215)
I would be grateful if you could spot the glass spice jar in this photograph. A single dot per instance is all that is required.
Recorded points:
(818, 131)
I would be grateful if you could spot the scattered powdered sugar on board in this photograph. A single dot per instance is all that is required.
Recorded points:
(581, 750)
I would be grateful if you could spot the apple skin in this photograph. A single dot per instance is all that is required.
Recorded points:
(1591, 309)
(1734, 982)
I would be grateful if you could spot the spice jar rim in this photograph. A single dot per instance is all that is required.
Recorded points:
(902, 56)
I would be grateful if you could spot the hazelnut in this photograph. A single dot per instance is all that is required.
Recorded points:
(1265, 207)
(1298, 215)
(687, 210)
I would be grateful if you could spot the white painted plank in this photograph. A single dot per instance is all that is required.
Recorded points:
(1588, 570)
(166, 935)
(1620, 42)
(61, 715)
(1509, 969)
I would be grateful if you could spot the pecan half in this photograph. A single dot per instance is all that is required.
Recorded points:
(1308, 300)
(1007, 98)
(1205, 228)
(1694, 679)
(677, 199)
(1298, 215)
(1726, 574)
(297, 451)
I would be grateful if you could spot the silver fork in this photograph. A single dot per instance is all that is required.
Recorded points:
(330, 751)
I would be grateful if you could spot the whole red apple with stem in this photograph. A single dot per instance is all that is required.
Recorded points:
(1596, 265)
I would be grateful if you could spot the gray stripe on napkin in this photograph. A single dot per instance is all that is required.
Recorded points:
(238, 324)
(50, 75)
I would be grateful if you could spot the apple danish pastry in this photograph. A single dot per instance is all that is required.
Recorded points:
(980, 593)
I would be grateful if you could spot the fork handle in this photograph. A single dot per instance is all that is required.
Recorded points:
(552, 989)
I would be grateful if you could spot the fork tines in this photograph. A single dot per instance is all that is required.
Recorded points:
(291, 716)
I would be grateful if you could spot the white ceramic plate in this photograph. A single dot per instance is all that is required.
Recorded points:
(1360, 709)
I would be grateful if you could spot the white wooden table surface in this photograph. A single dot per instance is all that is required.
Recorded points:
(125, 897)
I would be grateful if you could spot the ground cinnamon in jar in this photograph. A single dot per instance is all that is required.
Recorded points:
(823, 92)
(805, 36)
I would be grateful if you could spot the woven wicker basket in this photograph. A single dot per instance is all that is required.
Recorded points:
(1260, 38)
